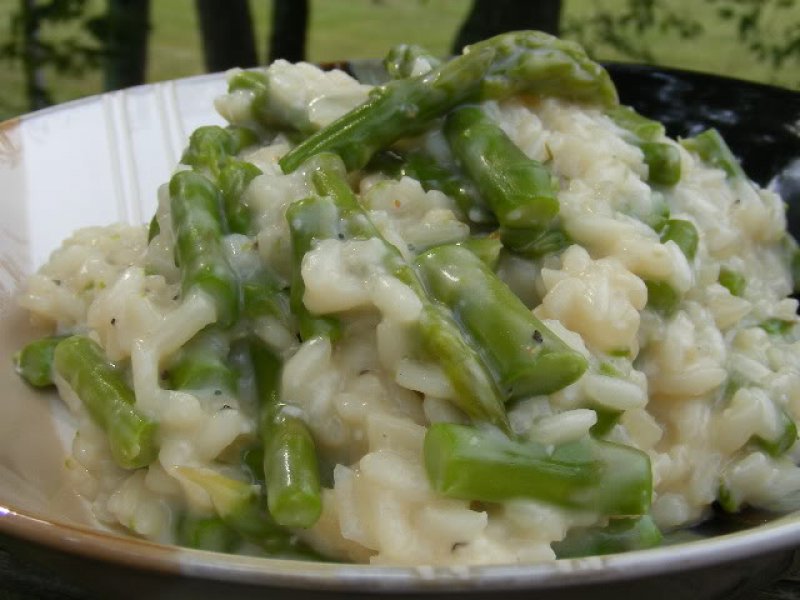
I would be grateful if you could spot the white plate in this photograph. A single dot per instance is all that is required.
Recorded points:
(101, 160)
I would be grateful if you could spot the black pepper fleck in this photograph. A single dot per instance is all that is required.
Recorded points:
(218, 393)
(537, 336)
(113, 320)
(340, 236)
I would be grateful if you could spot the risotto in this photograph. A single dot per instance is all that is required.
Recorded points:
(479, 314)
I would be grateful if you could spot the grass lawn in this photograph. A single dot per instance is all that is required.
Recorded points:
(367, 28)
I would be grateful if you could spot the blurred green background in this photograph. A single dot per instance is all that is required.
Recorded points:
(69, 56)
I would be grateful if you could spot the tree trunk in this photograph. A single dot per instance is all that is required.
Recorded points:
(126, 43)
(227, 30)
(32, 57)
(490, 17)
(289, 25)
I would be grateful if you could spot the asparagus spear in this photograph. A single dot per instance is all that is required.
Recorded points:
(712, 149)
(640, 126)
(108, 400)
(203, 363)
(663, 160)
(234, 177)
(486, 248)
(525, 356)
(620, 535)
(476, 392)
(210, 147)
(533, 62)
(264, 295)
(268, 109)
(238, 505)
(310, 219)
(290, 465)
(512, 63)
(533, 243)
(400, 108)
(472, 464)
(196, 220)
(520, 191)
(433, 175)
(400, 61)
(34, 363)
(206, 533)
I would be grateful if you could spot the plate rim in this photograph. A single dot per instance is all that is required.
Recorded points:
(139, 554)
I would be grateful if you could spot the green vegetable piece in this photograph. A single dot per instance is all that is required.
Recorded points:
(270, 110)
(153, 229)
(210, 147)
(519, 190)
(264, 295)
(206, 533)
(606, 420)
(525, 356)
(310, 220)
(663, 162)
(476, 392)
(202, 364)
(196, 220)
(662, 297)
(733, 281)
(132, 437)
(534, 244)
(400, 61)
(620, 535)
(290, 464)
(785, 439)
(777, 326)
(239, 506)
(727, 500)
(533, 62)
(234, 178)
(433, 175)
(508, 64)
(684, 234)
(472, 464)
(248, 80)
(712, 149)
(242, 138)
(486, 248)
(400, 108)
(34, 363)
(640, 126)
